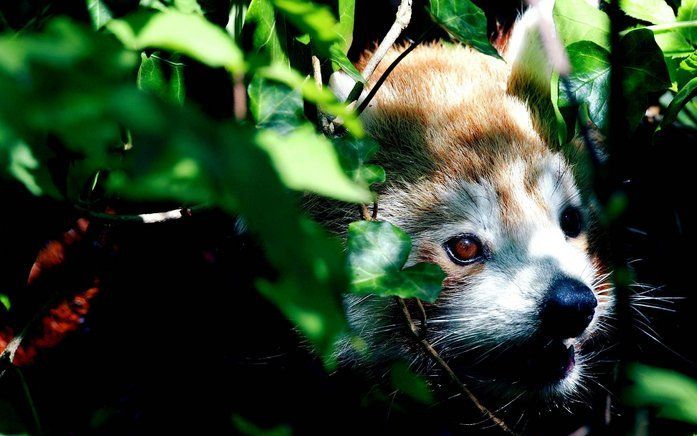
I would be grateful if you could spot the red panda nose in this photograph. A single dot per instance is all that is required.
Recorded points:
(568, 308)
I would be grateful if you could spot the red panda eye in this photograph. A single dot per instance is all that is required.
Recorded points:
(464, 249)
(571, 222)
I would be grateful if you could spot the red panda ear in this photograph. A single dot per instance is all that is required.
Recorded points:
(533, 51)
(531, 68)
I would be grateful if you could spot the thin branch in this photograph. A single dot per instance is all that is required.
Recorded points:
(401, 22)
(327, 126)
(144, 218)
(428, 348)
(665, 27)
(239, 96)
(30, 401)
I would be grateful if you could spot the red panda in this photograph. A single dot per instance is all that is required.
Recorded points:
(476, 178)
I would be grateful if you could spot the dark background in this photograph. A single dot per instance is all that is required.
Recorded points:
(178, 340)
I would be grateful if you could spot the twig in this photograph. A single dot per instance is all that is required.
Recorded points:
(30, 401)
(144, 218)
(327, 126)
(428, 348)
(366, 101)
(401, 22)
(239, 96)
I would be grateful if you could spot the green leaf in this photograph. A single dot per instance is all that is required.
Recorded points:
(344, 28)
(306, 161)
(322, 97)
(188, 34)
(653, 11)
(188, 6)
(162, 77)
(590, 80)
(673, 44)
(577, 20)
(686, 70)
(315, 20)
(341, 61)
(377, 253)
(465, 22)
(269, 35)
(411, 384)
(275, 105)
(684, 96)
(644, 72)
(81, 95)
(688, 12)
(673, 394)
(354, 154)
(99, 13)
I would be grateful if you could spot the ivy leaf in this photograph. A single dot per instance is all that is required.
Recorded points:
(341, 61)
(270, 33)
(673, 394)
(465, 22)
(377, 253)
(682, 98)
(577, 20)
(316, 20)
(189, 34)
(322, 97)
(413, 385)
(162, 77)
(306, 161)
(644, 72)
(354, 154)
(99, 13)
(275, 105)
(653, 11)
(688, 12)
(344, 28)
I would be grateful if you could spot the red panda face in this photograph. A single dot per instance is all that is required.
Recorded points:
(474, 181)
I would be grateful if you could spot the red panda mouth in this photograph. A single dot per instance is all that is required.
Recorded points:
(553, 363)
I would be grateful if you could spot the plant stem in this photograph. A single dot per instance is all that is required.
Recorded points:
(665, 27)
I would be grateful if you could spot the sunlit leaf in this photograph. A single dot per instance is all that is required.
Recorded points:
(322, 97)
(465, 21)
(314, 19)
(672, 394)
(684, 96)
(377, 254)
(688, 12)
(578, 20)
(275, 105)
(163, 77)
(653, 11)
(344, 28)
(188, 34)
(306, 161)
(270, 31)
(99, 13)
(354, 154)
(341, 61)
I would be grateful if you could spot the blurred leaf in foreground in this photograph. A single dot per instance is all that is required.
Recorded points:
(672, 394)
